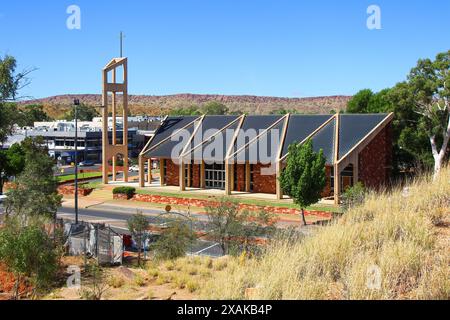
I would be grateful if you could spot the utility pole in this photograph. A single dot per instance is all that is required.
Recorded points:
(76, 103)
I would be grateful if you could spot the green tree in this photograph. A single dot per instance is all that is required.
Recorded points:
(359, 103)
(429, 85)
(138, 225)
(84, 112)
(174, 240)
(33, 113)
(12, 162)
(304, 177)
(225, 222)
(236, 229)
(28, 252)
(36, 193)
(214, 108)
(189, 111)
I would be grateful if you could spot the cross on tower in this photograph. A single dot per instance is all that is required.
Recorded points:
(121, 43)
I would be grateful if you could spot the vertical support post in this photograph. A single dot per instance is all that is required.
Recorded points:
(227, 178)
(189, 173)
(202, 175)
(337, 184)
(337, 170)
(105, 140)
(149, 172)
(114, 127)
(232, 177)
(181, 175)
(278, 184)
(247, 177)
(141, 171)
(125, 122)
(162, 172)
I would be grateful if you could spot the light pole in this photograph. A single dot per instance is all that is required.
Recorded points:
(76, 103)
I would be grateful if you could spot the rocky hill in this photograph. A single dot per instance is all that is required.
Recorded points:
(158, 105)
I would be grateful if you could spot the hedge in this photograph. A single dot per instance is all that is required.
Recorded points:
(129, 191)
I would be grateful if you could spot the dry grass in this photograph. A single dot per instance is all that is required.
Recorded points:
(400, 235)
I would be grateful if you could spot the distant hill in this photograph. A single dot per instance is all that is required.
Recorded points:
(56, 106)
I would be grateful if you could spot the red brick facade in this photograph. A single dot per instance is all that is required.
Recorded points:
(264, 183)
(239, 177)
(172, 173)
(375, 160)
(195, 172)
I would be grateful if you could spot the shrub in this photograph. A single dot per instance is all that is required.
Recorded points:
(174, 240)
(139, 280)
(129, 191)
(353, 196)
(116, 281)
(192, 285)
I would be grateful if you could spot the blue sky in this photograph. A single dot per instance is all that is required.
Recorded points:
(257, 47)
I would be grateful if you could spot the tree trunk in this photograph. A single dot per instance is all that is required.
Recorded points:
(16, 288)
(303, 217)
(139, 250)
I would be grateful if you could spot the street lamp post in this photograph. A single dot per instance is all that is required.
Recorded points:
(76, 103)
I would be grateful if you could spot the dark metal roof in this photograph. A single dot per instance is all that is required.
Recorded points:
(324, 139)
(264, 149)
(210, 126)
(354, 127)
(169, 126)
(215, 149)
(300, 127)
(175, 144)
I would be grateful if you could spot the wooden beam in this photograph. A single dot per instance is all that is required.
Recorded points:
(149, 171)
(247, 176)
(337, 170)
(202, 175)
(141, 172)
(279, 190)
(162, 172)
(227, 179)
(181, 175)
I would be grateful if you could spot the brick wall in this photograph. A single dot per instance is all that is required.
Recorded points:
(263, 183)
(195, 173)
(327, 191)
(240, 177)
(172, 173)
(375, 160)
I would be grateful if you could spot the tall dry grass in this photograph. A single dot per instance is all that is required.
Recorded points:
(400, 235)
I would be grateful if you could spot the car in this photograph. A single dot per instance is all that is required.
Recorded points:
(134, 169)
(2, 198)
(87, 163)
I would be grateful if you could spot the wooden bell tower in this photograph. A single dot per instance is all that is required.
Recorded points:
(113, 149)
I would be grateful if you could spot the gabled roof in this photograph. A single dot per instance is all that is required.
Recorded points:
(301, 127)
(354, 127)
(273, 133)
